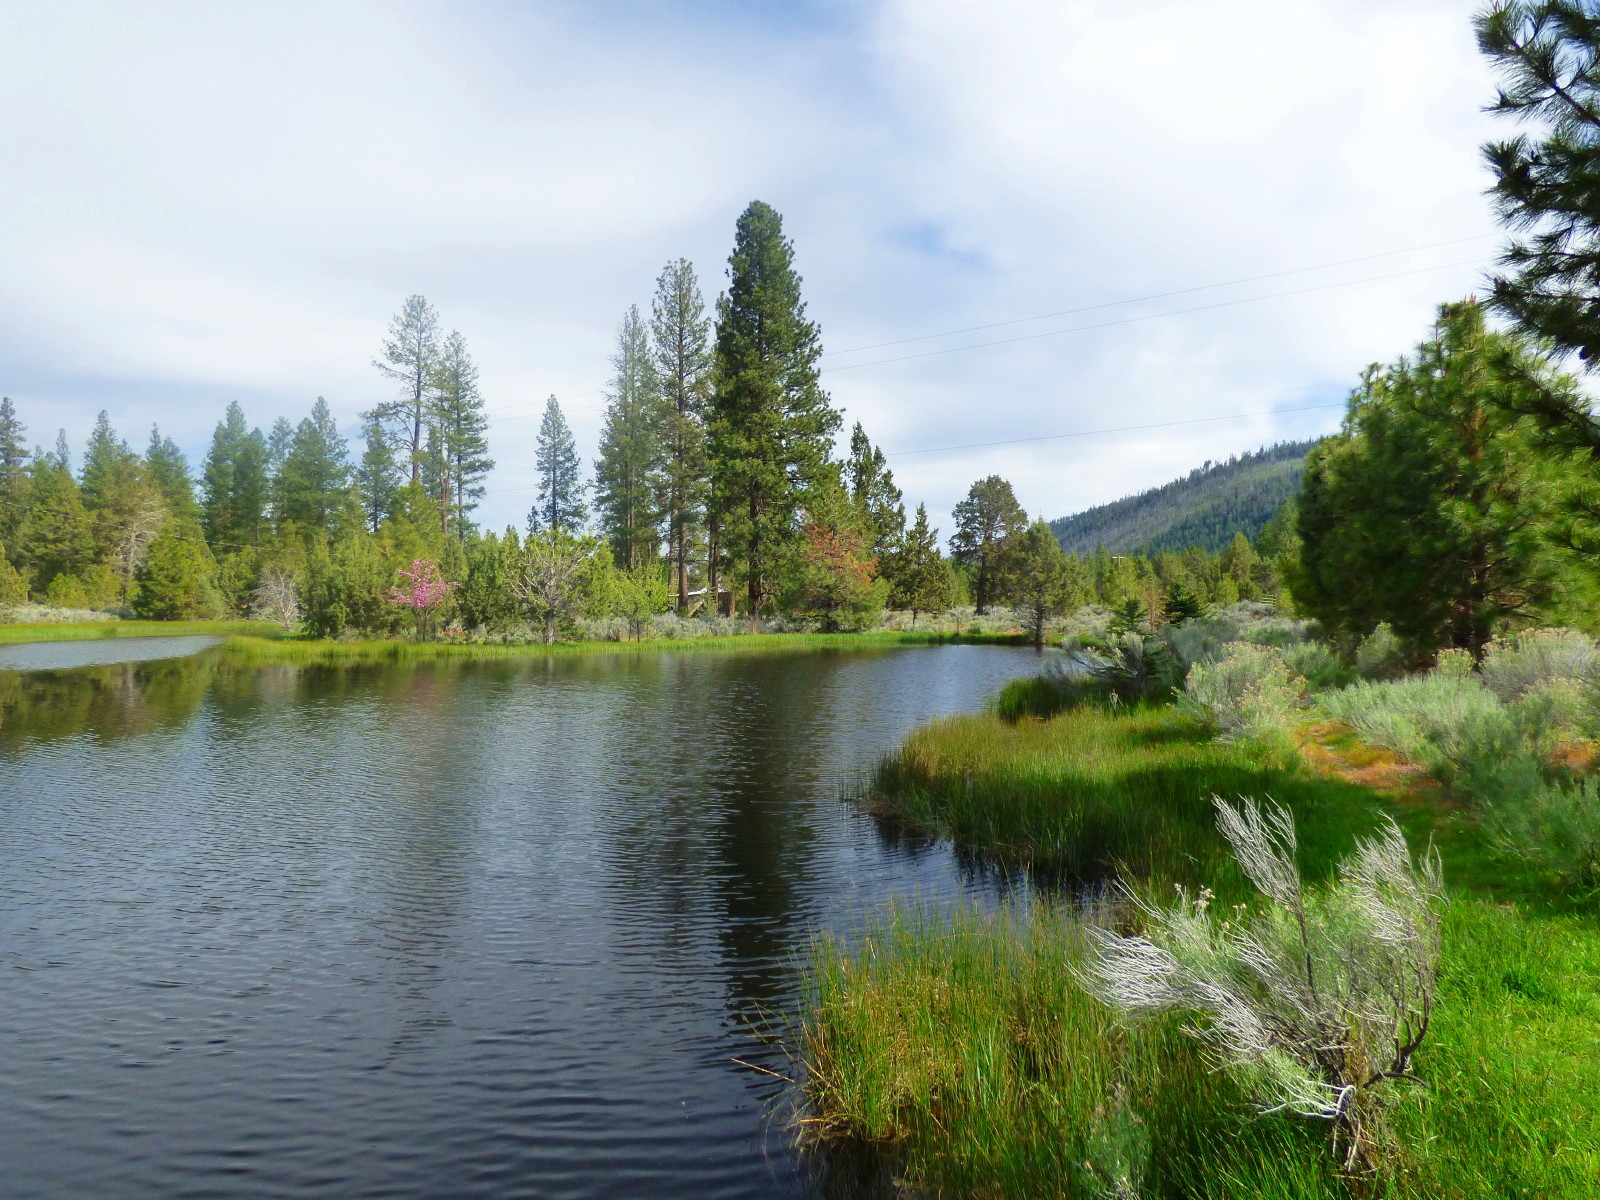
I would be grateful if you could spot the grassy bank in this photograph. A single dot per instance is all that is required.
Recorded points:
(966, 1048)
(305, 650)
(78, 631)
(1097, 791)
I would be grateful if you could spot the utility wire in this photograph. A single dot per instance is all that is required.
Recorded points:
(1049, 437)
(1205, 287)
(1176, 312)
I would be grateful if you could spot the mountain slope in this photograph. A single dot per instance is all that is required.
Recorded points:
(1204, 508)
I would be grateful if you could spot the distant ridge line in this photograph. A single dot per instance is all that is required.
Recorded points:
(1204, 508)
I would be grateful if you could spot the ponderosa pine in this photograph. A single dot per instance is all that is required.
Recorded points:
(770, 423)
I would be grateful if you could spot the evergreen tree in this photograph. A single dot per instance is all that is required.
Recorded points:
(486, 598)
(629, 479)
(560, 508)
(457, 407)
(168, 471)
(1547, 54)
(1240, 563)
(314, 478)
(378, 476)
(13, 472)
(280, 440)
(770, 424)
(13, 585)
(56, 536)
(681, 354)
(837, 581)
(1432, 510)
(176, 577)
(125, 510)
(1043, 581)
(235, 482)
(919, 577)
(410, 356)
(988, 522)
(873, 492)
(106, 458)
(1179, 604)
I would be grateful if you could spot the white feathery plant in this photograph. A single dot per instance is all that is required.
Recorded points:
(1314, 1003)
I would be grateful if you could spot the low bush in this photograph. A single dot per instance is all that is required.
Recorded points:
(1250, 692)
(1317, 1004)
(1448, 725)
(1554, 825)
(1381, 654)
(1527, 662)
(1317, 664)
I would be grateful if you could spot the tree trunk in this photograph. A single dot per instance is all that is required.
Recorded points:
(713, 575)
(754, 582)
(683, 564)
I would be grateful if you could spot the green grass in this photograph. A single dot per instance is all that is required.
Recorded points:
(307, 650)
(1097, 791)
(964, 1048)
(78, 631)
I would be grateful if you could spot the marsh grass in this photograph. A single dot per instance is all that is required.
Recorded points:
(313, 651)
(1100, 791)
(964, 1049)
(966, 1045)
(78, 631)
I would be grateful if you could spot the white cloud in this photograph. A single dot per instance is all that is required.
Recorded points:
(209, 201)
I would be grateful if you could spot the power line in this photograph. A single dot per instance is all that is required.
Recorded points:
(1205, 287)
(1176, 312)
(1048, 437)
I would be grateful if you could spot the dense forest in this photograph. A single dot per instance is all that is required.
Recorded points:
(1205, 508)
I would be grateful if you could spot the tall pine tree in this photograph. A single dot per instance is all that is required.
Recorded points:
(378, 476)
(628, 475)
(463, 446)
(559, 508)
(873, 492)
(410, 355)
(770, 425)
(1432, 510)
(988, 523)
(235, 482)
(314, 480)
(13, 474)
(168, 470)
(680, 349)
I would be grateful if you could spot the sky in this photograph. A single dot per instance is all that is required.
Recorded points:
(205, 203)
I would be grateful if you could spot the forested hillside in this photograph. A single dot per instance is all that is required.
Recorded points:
(1205, 508)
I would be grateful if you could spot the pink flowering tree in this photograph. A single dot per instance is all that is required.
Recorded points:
(423, 591)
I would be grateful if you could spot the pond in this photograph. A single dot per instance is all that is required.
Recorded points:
(471, 929)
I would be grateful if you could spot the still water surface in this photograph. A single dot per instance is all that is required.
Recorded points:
(491, 929)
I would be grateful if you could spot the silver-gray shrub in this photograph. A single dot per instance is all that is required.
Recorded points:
(1317, 664)
(1315, 1002)
(1554, 825)
(1381, 654)
(1450, 725)
(1249, 693)
(1539, 658)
